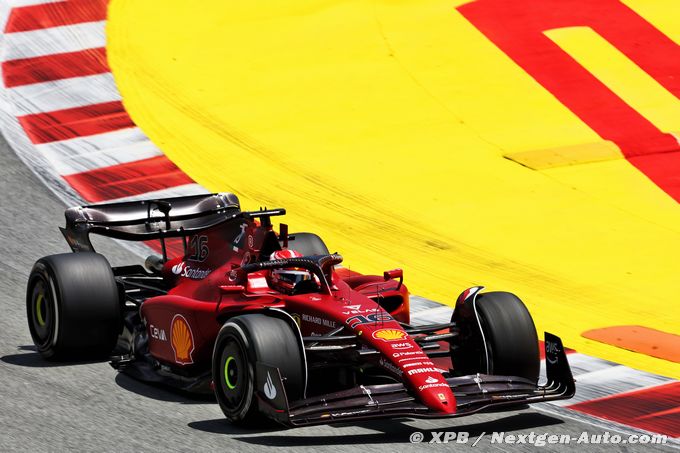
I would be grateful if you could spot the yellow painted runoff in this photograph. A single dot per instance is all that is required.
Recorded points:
(383, 126)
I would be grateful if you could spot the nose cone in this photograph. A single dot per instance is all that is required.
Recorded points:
(428, 383)
(417, 370)
(440, 398)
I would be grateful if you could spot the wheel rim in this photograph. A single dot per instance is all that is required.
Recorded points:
(39, 304)
(41, 314)
(231, 373)
(234, 375)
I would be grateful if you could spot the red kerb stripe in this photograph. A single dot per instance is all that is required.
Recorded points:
(663, 169)
(655, 409)
(76, 122)
(173, 247)
(47, 15)
(54, 67)
(128, 179)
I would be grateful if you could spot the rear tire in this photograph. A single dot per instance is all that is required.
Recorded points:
(241, 343)
(507, 344)
(73, 306)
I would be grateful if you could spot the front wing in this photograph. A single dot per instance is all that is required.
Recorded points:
(473, 393)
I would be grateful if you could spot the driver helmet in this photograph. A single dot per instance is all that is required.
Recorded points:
(285, 279)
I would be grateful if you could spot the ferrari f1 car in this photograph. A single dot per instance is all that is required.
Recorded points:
(273, 325)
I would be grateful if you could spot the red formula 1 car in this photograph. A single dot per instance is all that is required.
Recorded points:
(273, 326)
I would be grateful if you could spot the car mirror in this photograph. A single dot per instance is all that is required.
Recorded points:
(393, 275)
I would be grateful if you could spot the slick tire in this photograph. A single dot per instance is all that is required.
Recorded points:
(241, 343)
(73, 307)
(308, 244)
(507, 343)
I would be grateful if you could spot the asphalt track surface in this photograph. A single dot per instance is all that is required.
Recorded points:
(89, 407)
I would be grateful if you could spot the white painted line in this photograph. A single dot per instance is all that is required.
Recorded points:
(63, 94)
(47, 41)
(96, 151)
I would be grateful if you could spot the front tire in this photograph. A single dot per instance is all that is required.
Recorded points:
(507, 343)
(241, 343)
(73, 306)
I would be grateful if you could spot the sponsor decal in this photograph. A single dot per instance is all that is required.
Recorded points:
(424, 370)
(390, 366)
(237, 239)
(357, 310)
(297, 319)
(255, 282)
(156, 333)
(368, 319)
(441, 397)
(345, 414)
(182, 340)
(269, 389)
(404, 345)
(193, 273)
(551, 351)
(410, 365)
(420, 354)
(318, 320)
(389, 334)
(431, 386)
(431, 380)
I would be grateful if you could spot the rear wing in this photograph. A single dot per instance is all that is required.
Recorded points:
(154, 219)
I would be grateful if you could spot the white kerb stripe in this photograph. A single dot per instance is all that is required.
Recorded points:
(441, 314)
(63, 94)
(47, 41)
(18, 3)
(611, 381)
(179, 191)
(96, 151)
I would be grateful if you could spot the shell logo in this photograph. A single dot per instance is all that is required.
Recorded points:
(182, 340)
(389, 334)
(297, 319)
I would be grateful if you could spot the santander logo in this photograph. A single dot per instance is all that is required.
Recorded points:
(178, 268)
(183, 270)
